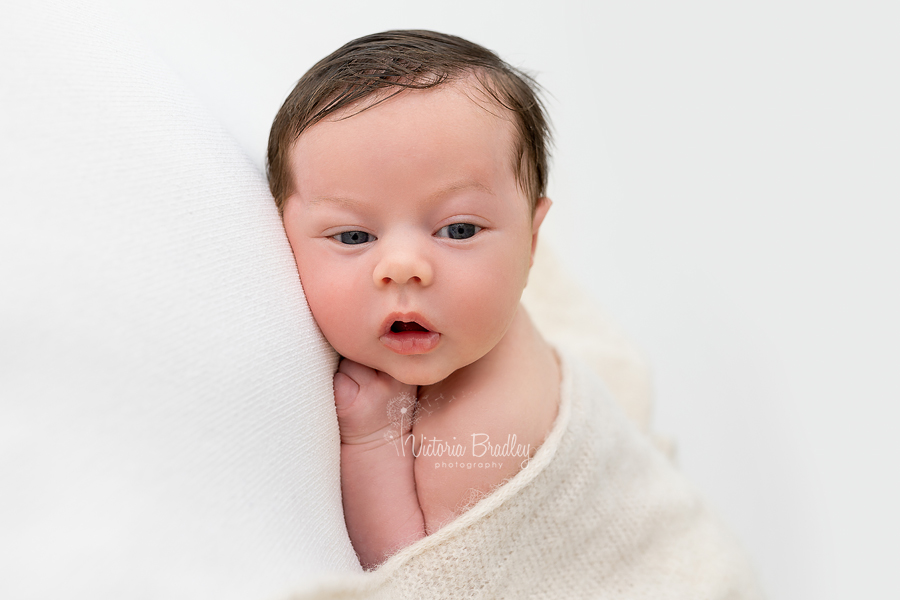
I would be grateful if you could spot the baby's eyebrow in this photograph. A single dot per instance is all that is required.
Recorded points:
(458, 186)
(340, 200)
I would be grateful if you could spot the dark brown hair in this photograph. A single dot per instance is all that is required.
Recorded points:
(390, 62)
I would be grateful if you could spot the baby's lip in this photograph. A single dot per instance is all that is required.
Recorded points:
(414, 336)
(405, 317)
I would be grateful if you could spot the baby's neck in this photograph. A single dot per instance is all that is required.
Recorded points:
(522, 353)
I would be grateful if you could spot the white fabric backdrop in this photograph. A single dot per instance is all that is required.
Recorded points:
(165, 423)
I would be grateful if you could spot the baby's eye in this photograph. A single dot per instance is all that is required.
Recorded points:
(354, 237)
(458, 231)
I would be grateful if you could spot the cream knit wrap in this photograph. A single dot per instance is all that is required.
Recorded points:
(599, 512)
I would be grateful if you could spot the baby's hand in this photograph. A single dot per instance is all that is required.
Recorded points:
(378, 484)
(373, 408)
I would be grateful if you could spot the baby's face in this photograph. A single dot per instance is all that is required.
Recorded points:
(412, 239)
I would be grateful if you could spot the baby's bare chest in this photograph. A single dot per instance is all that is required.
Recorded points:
(469, 439)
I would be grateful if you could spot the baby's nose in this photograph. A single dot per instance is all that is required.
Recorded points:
(403, 264)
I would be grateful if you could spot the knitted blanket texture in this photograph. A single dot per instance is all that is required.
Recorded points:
(599, 512)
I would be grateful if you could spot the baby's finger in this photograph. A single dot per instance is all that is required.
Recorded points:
(361, 374)
(345, 390)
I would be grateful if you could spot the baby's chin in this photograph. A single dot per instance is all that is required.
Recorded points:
(409, 374)
(415, 376)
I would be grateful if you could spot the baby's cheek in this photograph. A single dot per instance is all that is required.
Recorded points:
(490, 303)
(327, 298)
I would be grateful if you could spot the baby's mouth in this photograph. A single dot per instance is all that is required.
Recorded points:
(408, 337)
(403, 326)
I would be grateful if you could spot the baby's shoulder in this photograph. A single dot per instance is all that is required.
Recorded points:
(511, 390)
(477, 428)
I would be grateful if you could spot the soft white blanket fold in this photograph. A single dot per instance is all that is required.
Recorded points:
(599, 512)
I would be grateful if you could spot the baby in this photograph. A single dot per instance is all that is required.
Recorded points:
(410, 168)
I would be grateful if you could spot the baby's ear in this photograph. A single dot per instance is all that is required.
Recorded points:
(543, 205)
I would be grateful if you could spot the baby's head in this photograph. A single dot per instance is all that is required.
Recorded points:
(374, 67)
(410, 168)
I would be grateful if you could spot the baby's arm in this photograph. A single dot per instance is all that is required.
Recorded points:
(377, 476)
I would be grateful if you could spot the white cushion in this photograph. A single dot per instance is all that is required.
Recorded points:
(166, 418)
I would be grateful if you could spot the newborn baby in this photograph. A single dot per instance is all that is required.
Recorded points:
(410, 168)
(476, 461)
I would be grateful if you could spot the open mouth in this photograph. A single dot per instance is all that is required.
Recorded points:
(404, 326)
(410, 337)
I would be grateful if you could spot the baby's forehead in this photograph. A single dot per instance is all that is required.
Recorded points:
(466, 97)
(445, 142)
